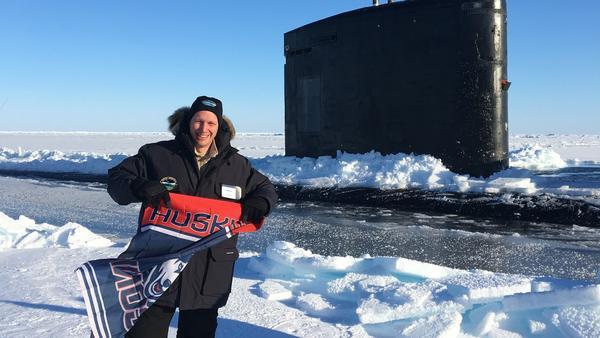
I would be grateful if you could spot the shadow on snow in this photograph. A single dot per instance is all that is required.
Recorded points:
(48, 307)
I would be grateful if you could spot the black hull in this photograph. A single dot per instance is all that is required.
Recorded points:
(421, 76)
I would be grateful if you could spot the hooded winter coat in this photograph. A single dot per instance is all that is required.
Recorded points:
(205, 283)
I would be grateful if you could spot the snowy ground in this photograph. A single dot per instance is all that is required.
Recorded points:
(431, 282)
(289, 291)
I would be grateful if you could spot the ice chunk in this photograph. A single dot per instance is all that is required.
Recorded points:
(373, 310)
(523, 185)
(440, 325)
(478, 315)
(418, 294)
(541, 286)
(315, 304)
(490, 322)
(24, 233)
(585, 295)
(73, 235)
(289, 254)
(272, 290)
(483, 286)
(536, 327)
(30, 240)
(354, 284)
(462, 182)
(422, 269)
(536, 157)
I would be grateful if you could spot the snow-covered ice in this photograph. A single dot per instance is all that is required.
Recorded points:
(249, 144)
(24, 233)
(52, 152)
(58, 161)
(286, 290)
(383, 300)
(574, 149)
(483, 286)
(536, 157)
(299, 293)
(586, 295)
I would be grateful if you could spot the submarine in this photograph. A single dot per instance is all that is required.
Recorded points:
(412, 76)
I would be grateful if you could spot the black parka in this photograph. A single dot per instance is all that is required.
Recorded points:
(206, 280)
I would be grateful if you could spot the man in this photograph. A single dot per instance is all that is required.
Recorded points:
(201, 162)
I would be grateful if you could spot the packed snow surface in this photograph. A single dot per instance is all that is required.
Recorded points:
(529, 154)
(290, 291)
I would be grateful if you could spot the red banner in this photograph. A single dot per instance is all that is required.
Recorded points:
(192, 217)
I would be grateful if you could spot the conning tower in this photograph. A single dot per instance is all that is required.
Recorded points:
(420, 76)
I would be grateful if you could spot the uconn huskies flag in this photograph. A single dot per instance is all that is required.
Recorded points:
(117, 291)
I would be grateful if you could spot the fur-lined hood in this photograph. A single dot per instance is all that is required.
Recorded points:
(177, 116)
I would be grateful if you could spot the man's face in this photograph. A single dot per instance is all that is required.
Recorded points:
(203, 129)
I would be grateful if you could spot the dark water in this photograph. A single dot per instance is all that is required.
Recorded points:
(450, 240)
(461, 242)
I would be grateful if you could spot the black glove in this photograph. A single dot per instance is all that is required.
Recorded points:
(254, 209)
(151, 192)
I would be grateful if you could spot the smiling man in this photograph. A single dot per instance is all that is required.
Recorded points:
(199, 162)
(203, 128)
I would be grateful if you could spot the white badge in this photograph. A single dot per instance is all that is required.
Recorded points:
(231, 191)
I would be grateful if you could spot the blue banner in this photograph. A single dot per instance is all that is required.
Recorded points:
(117, 291)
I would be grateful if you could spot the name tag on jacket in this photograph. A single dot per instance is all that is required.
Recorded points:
(231, 191)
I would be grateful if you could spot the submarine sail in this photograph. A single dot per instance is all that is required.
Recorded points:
(415, 76)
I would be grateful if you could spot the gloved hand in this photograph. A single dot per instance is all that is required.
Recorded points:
(254, 209)
(151, 192)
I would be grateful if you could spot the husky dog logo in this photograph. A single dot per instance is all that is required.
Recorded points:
(161, 277)
(170, 183)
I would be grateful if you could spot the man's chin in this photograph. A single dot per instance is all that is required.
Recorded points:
(203, 143)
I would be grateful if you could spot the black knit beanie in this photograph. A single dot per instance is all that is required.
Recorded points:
(207, 103)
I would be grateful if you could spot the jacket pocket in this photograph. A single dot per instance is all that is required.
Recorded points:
(219, 270)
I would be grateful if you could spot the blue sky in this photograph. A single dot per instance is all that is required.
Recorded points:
(126, 65)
